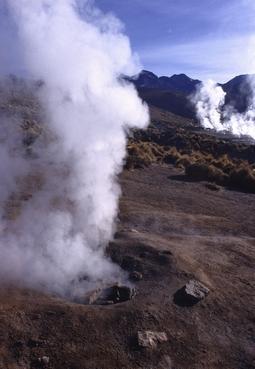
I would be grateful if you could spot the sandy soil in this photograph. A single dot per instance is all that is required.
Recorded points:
(171, 231)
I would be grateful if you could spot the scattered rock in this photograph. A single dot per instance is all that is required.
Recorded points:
(149, 339)
(135, 276)
(45, 360)
(213, 187)
(189, 295)
(133, 230)
(165, 363)
(109, 295)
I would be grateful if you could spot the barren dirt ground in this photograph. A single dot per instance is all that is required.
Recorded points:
(171, 230)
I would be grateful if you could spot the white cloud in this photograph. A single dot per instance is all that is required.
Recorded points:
(220, 58)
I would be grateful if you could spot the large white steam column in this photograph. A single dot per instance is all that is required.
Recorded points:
(80, 55)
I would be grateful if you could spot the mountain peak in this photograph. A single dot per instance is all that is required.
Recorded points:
(147, 73)
(182, 77)
(178, 83)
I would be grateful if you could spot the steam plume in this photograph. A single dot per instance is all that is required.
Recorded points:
(213, 113)
(80, 54)
(209, 101)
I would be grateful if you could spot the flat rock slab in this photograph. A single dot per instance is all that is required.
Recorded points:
(150, 339)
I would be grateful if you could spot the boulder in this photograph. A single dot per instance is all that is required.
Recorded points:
(196, 290)
(189, 295)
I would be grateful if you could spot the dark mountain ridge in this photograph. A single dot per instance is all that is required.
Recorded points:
(178, 83)
(239, 91)
(174, 93)
(181, 83)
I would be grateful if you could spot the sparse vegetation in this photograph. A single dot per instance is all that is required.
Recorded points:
(203, 157)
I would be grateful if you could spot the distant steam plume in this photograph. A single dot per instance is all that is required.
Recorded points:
(209, 101)
(213, 113)
(80, 54)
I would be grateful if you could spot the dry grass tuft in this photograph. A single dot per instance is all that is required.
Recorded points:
(143, 154)
(206, 172)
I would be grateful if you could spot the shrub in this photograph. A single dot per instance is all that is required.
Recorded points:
(171, 156)
(142, 154)
(223, 163)
(206, 172)
(242, 178)
(184, 161)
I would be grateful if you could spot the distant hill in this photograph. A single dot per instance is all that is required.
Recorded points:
(176, 103)
(239, 92)
(178, 83)
(173, 93)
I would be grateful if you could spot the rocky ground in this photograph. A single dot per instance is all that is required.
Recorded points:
(173, 229)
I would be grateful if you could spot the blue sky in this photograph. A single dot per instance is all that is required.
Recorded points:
(202, 38)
